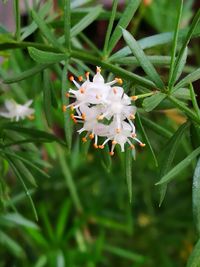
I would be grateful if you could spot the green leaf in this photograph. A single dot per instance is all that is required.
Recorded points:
(45, 30)
(142, 59)
(18, 219)
(62, 219)
(185, 43)
(194, 101)
(190, 78)
(156, 127)
(145, 137)
(179, 167)
(26, 74)
(46, 57)
(67, 23)
(11, 245)
(47, 97)
(65, 102)
(153, 101)
(167, 156)
(86, 21)
(196, 196)
(128, 171)
(123, 22)
(194, 259)
(181, 64)
(110, 26)
(156, 60)
(175, 40)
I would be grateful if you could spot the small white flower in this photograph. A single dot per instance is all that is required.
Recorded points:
(17, 111)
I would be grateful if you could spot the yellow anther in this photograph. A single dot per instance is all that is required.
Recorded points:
(31, 117)
(111, 153)
(71, 78)
(101, 147)
(67, 94)
(142, 145)
(134, 97)
(100, 117)
(114, 142)
(119, 80)
(80, 78)
(84, 139)
(83, 116)
(95, 146)
(97, 96)
(132, 117)
(134, 135)
(72, 108)
(98, 69)
(64, 108)
(118, 130)
(91, 136)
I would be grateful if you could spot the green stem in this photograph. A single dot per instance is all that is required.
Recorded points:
(69, 180)
(17, 19)
(194, 101)
(67, 23)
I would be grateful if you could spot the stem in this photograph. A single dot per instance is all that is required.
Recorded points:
(194, 100)
(17, 19)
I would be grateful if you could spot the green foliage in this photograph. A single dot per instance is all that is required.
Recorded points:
(96, 210)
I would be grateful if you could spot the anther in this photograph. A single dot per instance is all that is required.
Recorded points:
(91, 136)
(101, 146)
(142, 145)
(132, 146)
(67, 94)
(71, 78)
(119, 80)
(118, 130)
(98, 69)
(83, 116)
(111, 153)
(80, 78)
(134, 135)
(84, 139)
(64, 108)
(100, 117)
(97, 96)
(95, 146)
(131, 117)
(114, 142)
(31, 117)
(72, 108)
(134, 97)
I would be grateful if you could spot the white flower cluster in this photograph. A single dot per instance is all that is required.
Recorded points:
(17, 111)
(105, 111)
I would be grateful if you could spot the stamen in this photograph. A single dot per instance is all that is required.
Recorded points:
(80, 78)
(98, 69)
(119, 80)
(91, 136)
(31, 117)
(111, 153)
(95, 146)
(64, 108)
(67, 94)
(84, 139)
(114, 142)
(142, 144)
(134, 97)
(83, 116)
(132, 117)
(118, 130)
(134, 135)
(100, 117)
(71, 78)
(101, 146)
